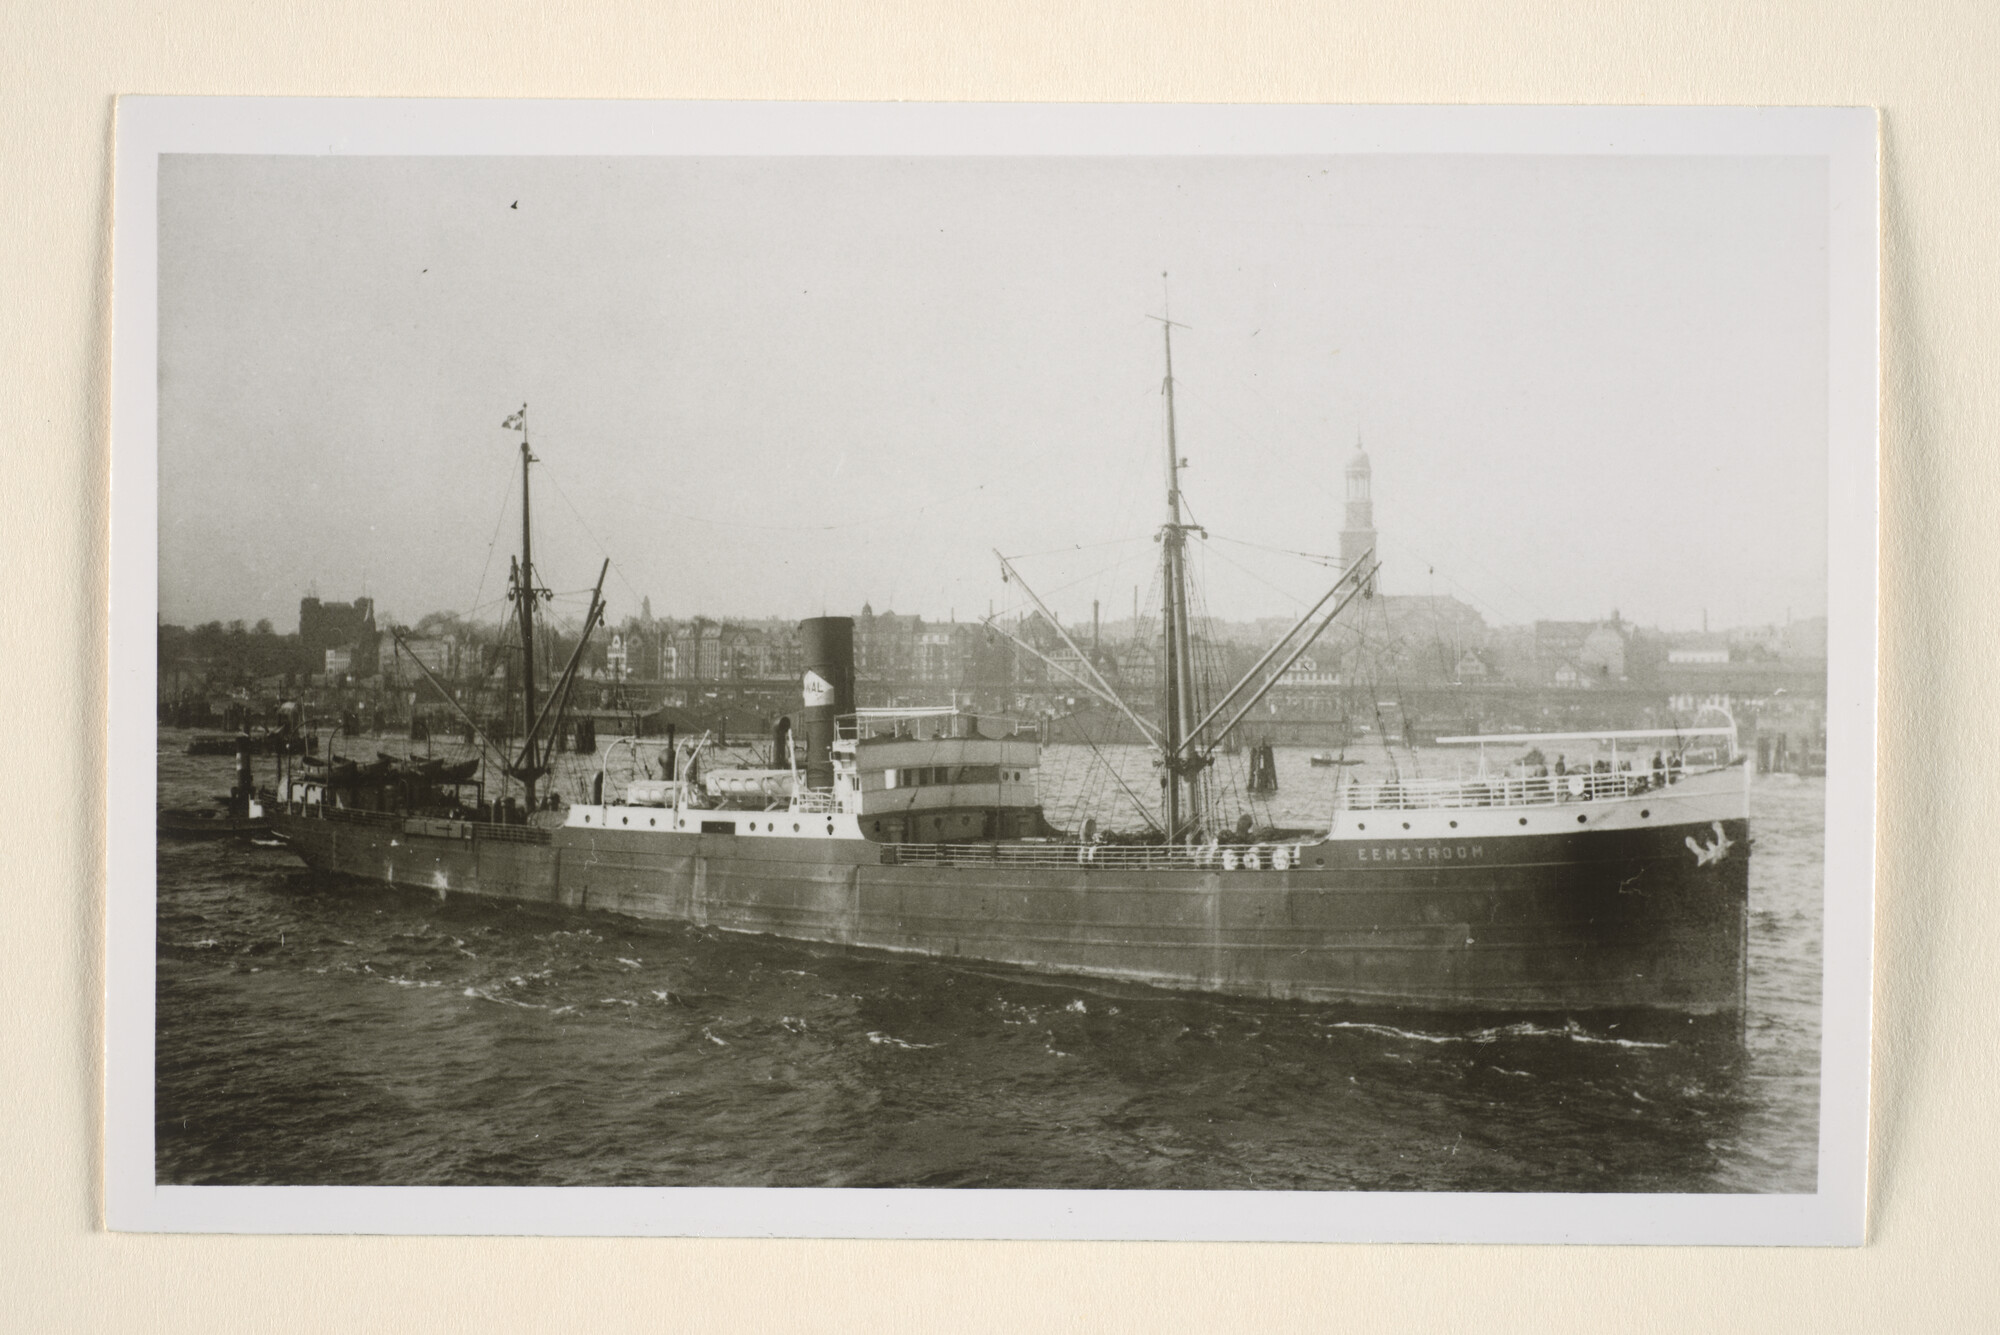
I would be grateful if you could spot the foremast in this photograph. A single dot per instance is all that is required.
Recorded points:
(525, 593)
(1181, 766)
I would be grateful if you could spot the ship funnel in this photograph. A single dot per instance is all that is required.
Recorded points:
(827, 645)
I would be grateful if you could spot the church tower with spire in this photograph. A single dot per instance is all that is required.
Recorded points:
(1357, 535)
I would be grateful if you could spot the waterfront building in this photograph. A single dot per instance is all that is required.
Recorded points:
(345, 627)
(438, 653)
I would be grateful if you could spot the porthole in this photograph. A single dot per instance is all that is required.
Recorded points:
(1644, 813)
(1581, 819)
(1406, 825)
(624, 820)
(829, 829)
(1319, 862)
(1361, 825)
(1524, 820)
(795, 829)
(651, 821)
(1454, 825)
(586, 820)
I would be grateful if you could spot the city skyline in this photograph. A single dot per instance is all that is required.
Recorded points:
(1121, 625)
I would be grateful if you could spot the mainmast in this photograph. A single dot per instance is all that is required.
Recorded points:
(1187, 738)
(1180, 765)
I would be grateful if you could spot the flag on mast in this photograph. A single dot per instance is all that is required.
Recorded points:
(517, 421)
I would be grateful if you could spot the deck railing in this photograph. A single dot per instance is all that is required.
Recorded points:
(1504, 790)
(1127, 857)
(815, 799)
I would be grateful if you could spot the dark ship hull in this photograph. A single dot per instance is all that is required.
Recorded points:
(1613, 919)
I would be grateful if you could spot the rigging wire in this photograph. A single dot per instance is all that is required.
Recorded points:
(506, 498)
(1373, 669)
(1361, 634)
(1080, 547)
(1445, 669)
(1318, 558)
(1105, 766)
(603, 550)
(884, 517)
(1081, 579)
(1478, 602)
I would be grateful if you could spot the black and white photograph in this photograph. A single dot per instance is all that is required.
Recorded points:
(1103, 672)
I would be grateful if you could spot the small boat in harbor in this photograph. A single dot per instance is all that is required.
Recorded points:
(221, 821)
(238, 814)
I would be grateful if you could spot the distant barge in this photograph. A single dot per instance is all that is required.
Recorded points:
(239, 815)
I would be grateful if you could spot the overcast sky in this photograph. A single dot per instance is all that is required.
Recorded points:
(775, 387)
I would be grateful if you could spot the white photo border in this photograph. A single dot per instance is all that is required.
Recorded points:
(1846, 138)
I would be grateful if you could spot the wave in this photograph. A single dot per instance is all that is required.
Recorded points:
(1391, 1031)
(483, 995)
(890, 1040)
(1572, 1031)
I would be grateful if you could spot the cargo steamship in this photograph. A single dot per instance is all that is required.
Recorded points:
(921, 831)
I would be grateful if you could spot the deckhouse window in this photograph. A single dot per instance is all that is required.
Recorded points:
(927, 776)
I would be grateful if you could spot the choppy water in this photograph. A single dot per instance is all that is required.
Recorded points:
(319, 1030)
